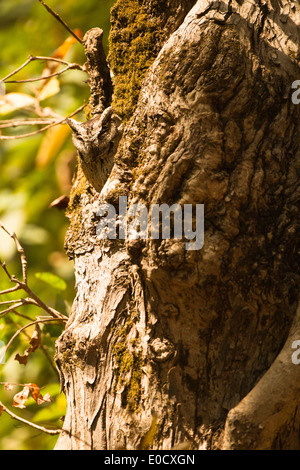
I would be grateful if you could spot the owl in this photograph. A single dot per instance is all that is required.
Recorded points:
(96, 142)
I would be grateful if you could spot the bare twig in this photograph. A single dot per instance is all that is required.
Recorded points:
(3, 265)
(49, 359)
(38, 303)
(20, 250)
(59, 121)
(21, 315)
(41, 346)
(46, 77)
(33, 299)
(13, 383)
(31, 58)
(10, 309)
(29, 423)
(25, 122)
(9, 302)
(7, 291)
(56, 16)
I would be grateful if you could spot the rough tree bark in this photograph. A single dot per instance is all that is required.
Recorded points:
(195, 345)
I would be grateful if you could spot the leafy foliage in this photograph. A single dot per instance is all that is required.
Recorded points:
(34, 172)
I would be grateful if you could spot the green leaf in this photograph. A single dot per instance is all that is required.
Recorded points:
(52, 279)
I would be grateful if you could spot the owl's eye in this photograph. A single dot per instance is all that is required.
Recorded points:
(78, 137)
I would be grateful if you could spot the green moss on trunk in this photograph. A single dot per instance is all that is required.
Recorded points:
(133, 43)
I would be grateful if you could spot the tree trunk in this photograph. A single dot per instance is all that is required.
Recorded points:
(167, 345)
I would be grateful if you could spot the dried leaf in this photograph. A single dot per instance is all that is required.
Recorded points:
(8, 386)
(51, 88)
(32, 390)
(51, 144)
(21, 397)
(13, 101)
(1, 409)
(62, 50)
(59, 53)
(22, 359)
(35, 393)
(47, 397)
(35, 342)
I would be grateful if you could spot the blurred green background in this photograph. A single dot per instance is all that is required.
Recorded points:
(33, 172)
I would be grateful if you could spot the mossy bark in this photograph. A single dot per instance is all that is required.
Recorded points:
(185, 342)
(138, 31)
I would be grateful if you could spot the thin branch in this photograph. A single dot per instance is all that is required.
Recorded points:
(3, 265)
(18, 69)
(53, 59)
(13, 383)
(21, 315)
(49, 359)
(60, 121)
(10, 302)
(25, 122)
(10, 309)
(29, 423)
(42, 347)
(37, 302)
(20, 250)
(46, 77)
(33, 299)
(32, 58)
(56, 16)
(12, 289)
(35, 322)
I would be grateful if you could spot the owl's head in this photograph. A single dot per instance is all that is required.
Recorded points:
(98, 136)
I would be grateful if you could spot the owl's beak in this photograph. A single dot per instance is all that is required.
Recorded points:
(75, 125)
